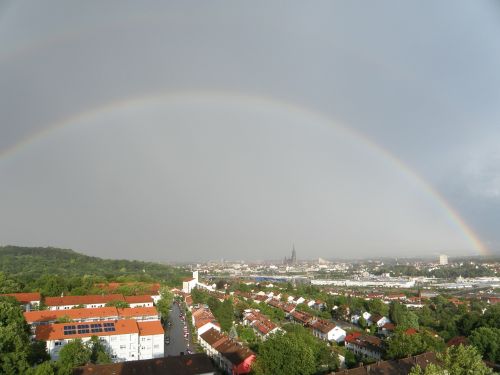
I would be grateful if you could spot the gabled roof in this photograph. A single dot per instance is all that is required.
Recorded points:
(24, 298)
(73, 314)
(192, 364)
(129, 312)
(323, 325)
(56, 331)
(393, 367)
(214, 337)
(138, 299)
(149, 328)
(83, 300)
(234, 352)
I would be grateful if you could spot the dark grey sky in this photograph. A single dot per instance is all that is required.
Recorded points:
(239, 128)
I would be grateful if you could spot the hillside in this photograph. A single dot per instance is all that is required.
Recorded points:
(26, 264)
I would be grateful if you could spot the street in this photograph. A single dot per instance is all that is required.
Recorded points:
(178, 343)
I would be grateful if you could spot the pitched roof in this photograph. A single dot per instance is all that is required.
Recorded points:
(323, 325)
(56, 331)
(136, 311)
(234, 352)
(73, 314)
(192, 364)
(83, 300)
(138, 299)
(214, 337)
(150, 328)
(24, 297)
(392, 367)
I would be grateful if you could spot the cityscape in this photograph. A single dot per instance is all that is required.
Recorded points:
(249, 188)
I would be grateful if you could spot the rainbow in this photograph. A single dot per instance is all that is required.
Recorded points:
(260, 101)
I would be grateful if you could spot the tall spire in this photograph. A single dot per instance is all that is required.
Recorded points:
(294, 254)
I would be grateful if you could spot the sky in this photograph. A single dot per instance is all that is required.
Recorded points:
(181, 131)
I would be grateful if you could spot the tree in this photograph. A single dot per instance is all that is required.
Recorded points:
(45, 368)
(118, 304)
(362, 322)
(350, 359)
(487, 342)
(37, 353)
(8, 285)
(283, 354)
(165, 302)
(72, 355)
(98, 352)
(457, 360)
(14, 338)
(402, 344)
(376, 306)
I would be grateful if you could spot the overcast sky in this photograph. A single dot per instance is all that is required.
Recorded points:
(181, 131)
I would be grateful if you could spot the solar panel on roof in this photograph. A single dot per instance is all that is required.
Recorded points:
(69, 330)
(96, 327)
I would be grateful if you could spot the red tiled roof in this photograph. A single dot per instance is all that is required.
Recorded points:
(73, 314)
(82, 300)
(323, 325)
(138, 299)
(150, 328)
(458, 340)
(136, 311)
(56, 331)
(24, 298)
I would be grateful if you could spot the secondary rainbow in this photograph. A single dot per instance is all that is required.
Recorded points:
(315, 116)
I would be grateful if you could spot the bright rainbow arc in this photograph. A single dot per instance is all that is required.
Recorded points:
(259, 101)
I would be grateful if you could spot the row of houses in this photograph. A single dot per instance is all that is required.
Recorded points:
(126, 339)
(28, 301)
(97, 301)
(261, 324)
(33, 301)
(321, 328)
(365, 345)
(129, 333)
(229, 355)
(45, 317)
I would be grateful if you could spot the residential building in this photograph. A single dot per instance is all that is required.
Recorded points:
(443, 260)
(229, 355)
(260, 323)
(190, 283)
(90, 301)
(191, 364)
(378, 320)
(328, 331)
(364, 345)
(395, 366)
(44, 317)
(139, 301)
(151, 336)
(28, 301)
(122, 337)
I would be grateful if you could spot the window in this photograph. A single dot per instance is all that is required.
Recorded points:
(123, 346)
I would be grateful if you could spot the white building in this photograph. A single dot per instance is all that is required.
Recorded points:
(126, 340)
(443, 260)
(28, 301)
(151, 336)
(190, 283)
(139, 301)
(328, 331)
(89, 302)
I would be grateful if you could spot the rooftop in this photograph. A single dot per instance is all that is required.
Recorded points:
(193, 364)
